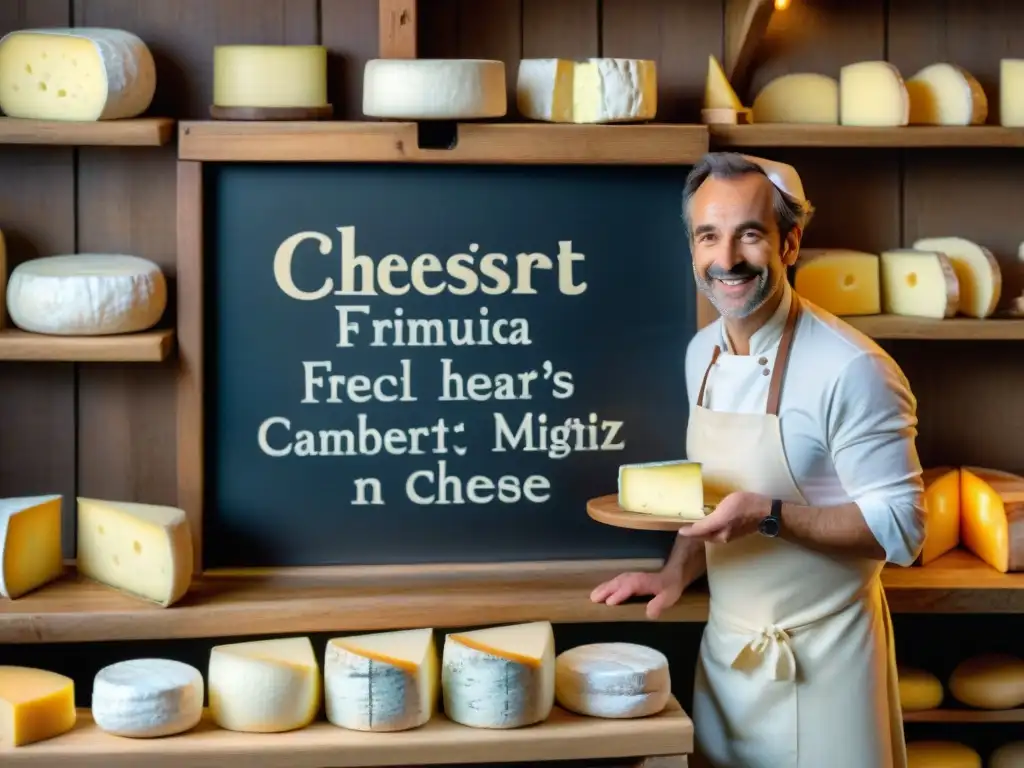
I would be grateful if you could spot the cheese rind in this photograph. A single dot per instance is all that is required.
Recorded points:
(989, 681)
(919, 284)
(612, 680)
(269, 75)
(662, 488)
(977, 272)
(31, 555)
(142, 549)
(147, 698)
(86, 294)
(434, 89)
(992, 517)
(919, 690)
(79, 74)
(387, 681)
(945, 94)
(799, 97)
(1010, 755)
(942, 512)
(718, 91)
(600, 90)
(941, 754)
(840, 281)
(1011, 93)
(873, 94)
(500, 677)
(35, 705)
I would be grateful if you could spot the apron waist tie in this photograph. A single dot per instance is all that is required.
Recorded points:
(770, 644)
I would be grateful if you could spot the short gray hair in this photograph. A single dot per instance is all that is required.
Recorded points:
(789, 212)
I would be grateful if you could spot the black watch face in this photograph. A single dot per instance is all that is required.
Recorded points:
(769, 526)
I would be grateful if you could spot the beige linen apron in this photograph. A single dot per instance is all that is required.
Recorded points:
(796, 666)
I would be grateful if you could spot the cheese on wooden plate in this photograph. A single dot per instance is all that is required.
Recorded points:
(941, 754)
(613, 680)
(1011, 93)
(872, 94)
(87, 294)
(142, 549)
(264, 686)
(147, 698)
(977, 273)
(989, 681)
(387, 681)
(500, 677)
(992, 517)
(718, 91)
(30, 546)
(945, 94)
(800, 97)
(663, 488)
(942, 510)
(434, 89)
(81, 74)
(919, 690)
(919, 284)
(269, 75)
(1009, 755)
(840, 281)
(34, 705)
(590, 91)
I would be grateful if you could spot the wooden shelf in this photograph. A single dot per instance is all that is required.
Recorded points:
(965, 716)
(499, 143)
(144, 347)
(139, 132)
(784, 135)
(953, 329)
(563, 736)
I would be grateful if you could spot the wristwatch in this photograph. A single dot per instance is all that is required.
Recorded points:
(771, 525)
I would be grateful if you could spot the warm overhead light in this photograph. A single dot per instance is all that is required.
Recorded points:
(781, 5)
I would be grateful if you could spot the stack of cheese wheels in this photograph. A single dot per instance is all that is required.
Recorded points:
(434, 89)
(147, 698)
(941, 754)
(919, 690)
(989, 681)
(613, 680)
(270, 77)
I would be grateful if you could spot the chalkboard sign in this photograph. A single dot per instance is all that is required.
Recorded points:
(412, 364)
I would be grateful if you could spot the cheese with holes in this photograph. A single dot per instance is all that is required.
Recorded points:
(919, 284)
(718, 91)
(30, 544)
(82, 74)
(500, 677)
(800, 97)
(1011, 93)
(663, 488)
(1010, 755)
(389, 681)
(264, 686)
(269, 75)
(590, 91)
(34, 705)
(919, 690)
(86, 294)
(147, 698)
(941, 754)
(989, 681)
(945, 94)
(942, 512)
(992, 517)
(144, 550)
(872, 94)
(839, 281)
(434, 89)
(613, 680)
(977, 273)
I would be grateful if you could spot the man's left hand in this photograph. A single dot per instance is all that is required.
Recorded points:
(737, 515)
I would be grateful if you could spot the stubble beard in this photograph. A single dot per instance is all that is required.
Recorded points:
(765, 286)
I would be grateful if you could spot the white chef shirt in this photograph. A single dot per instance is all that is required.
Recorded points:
(847, 416)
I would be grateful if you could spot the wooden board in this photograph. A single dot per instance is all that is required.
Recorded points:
(787, 135)
(606, 510)
(564, 736)
(950, 329)
(138, 132)
(146, 346)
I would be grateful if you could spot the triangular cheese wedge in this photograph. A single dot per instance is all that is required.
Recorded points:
(942, 506)
(523, 643)
(30, 546)
(718, 92)
(992, 517)
(406, 649)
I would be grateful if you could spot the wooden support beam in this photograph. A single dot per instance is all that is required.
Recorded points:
(746, 22)
(397, 29)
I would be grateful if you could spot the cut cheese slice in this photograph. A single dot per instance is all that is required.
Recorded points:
(662, 488)
(34, 705)
(840, 281)
(87, 294)
(919, 690)
(977, 273)
(30, 544)
(992, 517)
(1011, 93)
(800, 97)
(989, 681)
(147, 698)
(142, 549)
(269, 75)
(942, 509)
(945, 94)
(591, 91)
(388, 681)
(500, 677)
(919, 284)
(1009, 755)
(434, 89)
(613, 680)
(872, 94)
(718, 92)
(264, 686)
(941, 754)
(76, 74)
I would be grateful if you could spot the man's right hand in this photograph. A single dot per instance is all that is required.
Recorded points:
(666, 589)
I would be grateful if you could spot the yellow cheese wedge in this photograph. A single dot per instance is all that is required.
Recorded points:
(1011, 93)
(1010, 755)
(942, 506)
(840, 281)
(30, 547)
(34, 705)
(945, 94)
(872, 94)
(941, 754)
(977, 273)
(666, 489)
(919, 690)
(992, 517)
(919, 284)
(989, 681)
(522, 643)
(800, 97)
(718, 92)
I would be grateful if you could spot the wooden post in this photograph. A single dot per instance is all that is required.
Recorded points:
(746, 22)
(397, 29)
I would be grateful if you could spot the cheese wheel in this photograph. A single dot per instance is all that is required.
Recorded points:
(941, 754)
(88, 294)
(147, 698)
(613, 680)
(1008, 756)
(269, 75)
(942, 512)
(1011, 93)
(989, 681)
(918, 284)
(992, 517)
(434, 89)
(799, 97)
(977, 273)
(919, 690)
(945, 94)
(839, 280)
(873, 94)
(35, 705)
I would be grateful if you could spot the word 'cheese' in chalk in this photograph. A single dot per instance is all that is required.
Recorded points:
(434, 89)
(945, 94)
(590, 91)
(989, 681)
(872, 94)
(30, 547)
(147, 698)
(919, 284)
(800, 97)
(665, 489)
(34, 705)
(977, 273)
(941, 754)
(942, 512)
(840, 281)
(992, 517)
(269, 76)
(919, 690)
(613, 680)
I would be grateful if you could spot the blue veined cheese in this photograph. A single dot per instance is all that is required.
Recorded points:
(592, 91)
(147, 698)
(612, 680)
(662, 488)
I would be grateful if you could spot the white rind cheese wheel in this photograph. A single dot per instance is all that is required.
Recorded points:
(799, 97)
(88, 294)
(434, 89)
(989, 681)
(613, 680)
(919, 690)
(600, 90)
(1008, 756)
(873, 94)
(945, 94)
(919, 284)
(977, 272)
(147, 698)
(941, 754)
(79, 74)
(269, 76)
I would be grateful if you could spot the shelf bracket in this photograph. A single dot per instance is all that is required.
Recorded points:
(746, 22)
(397, 29)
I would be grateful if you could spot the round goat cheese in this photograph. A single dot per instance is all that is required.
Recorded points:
(613, 680)
(147, 698)
(434, 89)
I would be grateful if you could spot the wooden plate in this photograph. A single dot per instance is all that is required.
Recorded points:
(606, 509)
(324, 112)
